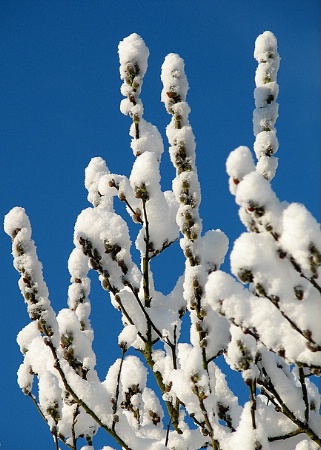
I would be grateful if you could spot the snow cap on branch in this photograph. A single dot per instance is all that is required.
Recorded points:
(95, 170)
(266, 111)
(16, 220)
(175, 84)
(238, 164)
(266, 48)
(133, 54)
(31, 283)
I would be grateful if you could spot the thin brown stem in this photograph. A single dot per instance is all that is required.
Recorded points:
(304, 394)
(146, 259)
(123, 198)
(209, 429)
(34, 400)
(252, 387)
(164, 247)
(115, 404)
(73, 425)
(167, 432)
(285, 436)
(55, 435)
(124, 311)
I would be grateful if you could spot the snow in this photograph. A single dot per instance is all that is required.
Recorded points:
(25, 378)
(264, 118)
(259, 314)
(238, 164)
(132, 50)
(134, 373)
(301, 236)
(94, 171)
(263, 95)
(128, 336)
(78, 264)
(266, 143)
(149, 140)
(305, 445)
(190, 359)
(50, 397)
(31, 283)
(174, 80)
(265, 45)
(70, 331)
(109, 236)
(15, 221)
(27, 335)
(145, 173)
(267, 165)
(259, 203)
(246, 437)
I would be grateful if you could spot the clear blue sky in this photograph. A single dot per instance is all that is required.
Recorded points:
(59, 105)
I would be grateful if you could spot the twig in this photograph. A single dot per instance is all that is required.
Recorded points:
(130, 320)
(164, 247)
(73, 433)
(117, 387)
(146, 259)
(209, 428)
(252, 386)
(123, 198)
(167, 432)
(150, 322)
(55, 438)
(285, 436)
(305, 394)
(34, 400)
(299, 270)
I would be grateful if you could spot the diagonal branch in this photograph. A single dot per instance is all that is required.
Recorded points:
(277, 400)
(77, 399)
(307, 335)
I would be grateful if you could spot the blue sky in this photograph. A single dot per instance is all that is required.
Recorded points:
(60, 107)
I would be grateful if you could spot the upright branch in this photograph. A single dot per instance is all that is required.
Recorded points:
(153, 204)
(185, 186)
(266, 112)
(31, 283)
(200, 261)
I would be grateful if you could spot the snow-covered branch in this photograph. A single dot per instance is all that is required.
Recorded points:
(262, 320)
